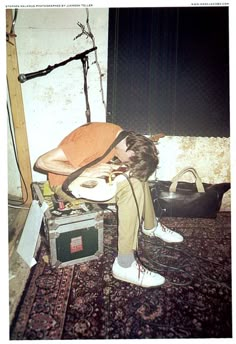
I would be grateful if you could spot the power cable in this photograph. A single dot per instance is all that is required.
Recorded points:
(17, 163)
(157, 265)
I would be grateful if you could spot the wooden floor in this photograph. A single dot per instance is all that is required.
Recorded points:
(18, 269)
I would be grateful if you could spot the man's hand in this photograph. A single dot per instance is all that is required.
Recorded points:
(98, 171)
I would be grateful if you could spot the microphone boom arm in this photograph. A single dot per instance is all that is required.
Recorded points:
(24, 77)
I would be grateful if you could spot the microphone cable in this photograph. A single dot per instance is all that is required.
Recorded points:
(156, 265)
(17, 203)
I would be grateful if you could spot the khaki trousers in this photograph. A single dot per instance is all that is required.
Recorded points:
(128, 221)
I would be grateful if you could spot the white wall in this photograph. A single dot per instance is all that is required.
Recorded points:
(210, 156)
(55, 104)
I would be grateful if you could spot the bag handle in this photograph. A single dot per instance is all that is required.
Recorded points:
(174, 182)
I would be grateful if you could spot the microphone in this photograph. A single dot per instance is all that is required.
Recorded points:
(24, 77)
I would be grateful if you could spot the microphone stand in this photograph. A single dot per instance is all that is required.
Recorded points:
(84, 59)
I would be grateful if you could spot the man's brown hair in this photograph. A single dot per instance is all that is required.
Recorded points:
(145, 160)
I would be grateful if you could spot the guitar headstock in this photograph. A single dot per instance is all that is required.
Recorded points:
(156, 137)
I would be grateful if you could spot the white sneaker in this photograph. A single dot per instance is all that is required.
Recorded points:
(164, 233)
(137, 274)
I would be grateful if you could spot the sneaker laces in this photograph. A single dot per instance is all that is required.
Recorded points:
(142, 269)
(165, 229)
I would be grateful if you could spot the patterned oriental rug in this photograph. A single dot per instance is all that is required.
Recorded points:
(85, 302)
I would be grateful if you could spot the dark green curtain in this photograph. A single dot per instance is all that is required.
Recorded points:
(168, 70)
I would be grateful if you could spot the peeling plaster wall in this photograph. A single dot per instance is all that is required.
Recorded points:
(55, 104)
(208, 155)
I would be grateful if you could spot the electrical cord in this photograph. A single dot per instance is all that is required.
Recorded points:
(88, 33)
(17, 207)
(18, 166)
(156, 266)
(192, 259)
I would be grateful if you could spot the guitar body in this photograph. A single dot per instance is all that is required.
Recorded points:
(96, 189)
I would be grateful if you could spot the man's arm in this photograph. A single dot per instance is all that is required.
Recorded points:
(55, 161)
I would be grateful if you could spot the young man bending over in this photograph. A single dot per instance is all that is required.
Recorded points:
(140, 155)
